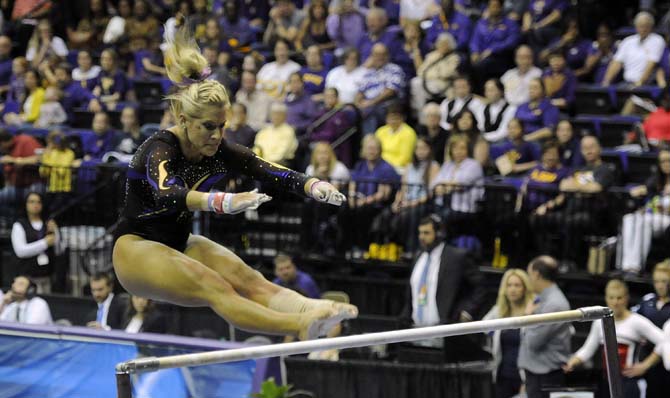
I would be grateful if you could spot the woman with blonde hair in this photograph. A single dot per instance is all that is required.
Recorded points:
(324, 165)
(514, 295)
(171, 175)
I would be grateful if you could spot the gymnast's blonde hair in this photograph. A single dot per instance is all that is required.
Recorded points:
(188, 69)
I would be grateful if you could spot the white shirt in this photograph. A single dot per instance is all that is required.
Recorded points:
(346, 83)
(494, 111)
(516, 85)
(105, 310)
(415, 9)
(34, 311)
(57, 46)
(339, 173)
(272, 77)
(635, 55)
(21, 247)
(79, 75)
(476, 106)
(135, 324)
(431, 316)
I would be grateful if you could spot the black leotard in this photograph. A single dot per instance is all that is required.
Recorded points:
(160, 177)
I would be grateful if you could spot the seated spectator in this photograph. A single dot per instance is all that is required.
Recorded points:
(105, 140)
(142, 316)
(201, 13)
(514, 295)
(289, 276)
(218, 62)
(86, 73)
(5, 63)
(571, 44)
(277, 141)
(88, 33)
(457, 186)
(569, 145)
(397, 138)
(325, 166)
(213, 37)
(147, 62)
(313, 31)
(542, 21)
(539, 116)
(638, 54)
(435, 73)
(466, 124)
(542, 181)
(377, 33)
(640, 227)
(560, 82)
(57, 162)
(236, 27)
(116, 26)
(517, 80)
(462, 99)
(16, 92)
(435, 135)
(33, 241)
(346, 25)
(315, 73)
(43, 44)
(451, 21)
(348, 77)
(336, 125)
(142, 27)
(409, 55)
(74, 95)
(301, 111)
(51, 111)
(382, 82)
(112, 84)
(20, 304)
(600, 54)
(656, 126)
(493, 41)
(497, 113)
(30, 108)
(517, 156)
(273, 76)
(284, 24)
(131, 131)
(255, 100)
(109, 312)
(417, 11)
(632, 331)
(237, 130)
(19, 154)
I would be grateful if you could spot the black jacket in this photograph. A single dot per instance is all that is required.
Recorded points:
(154, 322)
(116, 315)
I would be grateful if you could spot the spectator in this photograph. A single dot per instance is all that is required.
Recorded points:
(466, 124)
(142, 316)
(632, 330)
(514, 296)
(105, 139)
(382, 82)
(314, 74)
(377, 33)
(570, 151)
(285, 22)
(337, 124)
(21, 305)
(397, 138)
(348, 77)
(51, 111)
(346, 25)
(656, 126)
(86, 73)
(497, 113)
(544, 349)
(301, 110)
(238, 131)
(19, 153)
(416, 11)
(30, 108)
(147, 62)
(573, 47)
(640, 227)
(5, 63)
(74, 95)
(110, 307)
(638, 54)
(273, 76)
(17, 85)
(410, 55)
(117, 25)
(445, 286)
(277, 142)
(560, 82)
(256, 101)
(131, 131)
(515, 155)
(600, 54)
(88, 33)
(539, 116)
(236, 27)
(213, 37)
(43, 44)
(453, 22)
(313, 31)
(541, 22)
(517, 80)
(201, 13)
(462, 99)
(325, 166)
(57, 162)
(33, 241)
(289, 276)
(434, 133)
(435, 73)
(542, 181)
(142, 28)
(493, 42)
(218, 62)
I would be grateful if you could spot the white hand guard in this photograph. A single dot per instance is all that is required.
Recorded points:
(234, 203)
(323, 191)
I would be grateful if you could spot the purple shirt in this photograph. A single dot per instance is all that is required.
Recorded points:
(5, 71)
(331, 129)
(575, 53)
(540, 9)
(303, 284)
(113, 83)
(96, 146)
(604, 62)
(538, 117)
(499, 37)
(389, 38)
(567, 89)
(75, 96)
(571, 154)
(301, 111)
(457, 24)
(240, 30)
(315, 80)
(367, 180)
(519, 153)
(346, 30)
(543, 185)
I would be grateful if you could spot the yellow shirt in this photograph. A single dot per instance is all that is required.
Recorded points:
(31, 107)
(398, 146)
(56, 165)
(276, 144)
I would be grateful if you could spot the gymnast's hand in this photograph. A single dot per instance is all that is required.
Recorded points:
(233, 203)
(323, 191)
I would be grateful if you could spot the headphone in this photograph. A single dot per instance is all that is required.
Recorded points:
(438, 226)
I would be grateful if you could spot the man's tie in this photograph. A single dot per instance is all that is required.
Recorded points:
(98, 318)
(423, 289)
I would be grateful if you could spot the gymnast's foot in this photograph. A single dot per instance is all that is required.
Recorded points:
(336, 313)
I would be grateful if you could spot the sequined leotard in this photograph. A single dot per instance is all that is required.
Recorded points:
(160, 177)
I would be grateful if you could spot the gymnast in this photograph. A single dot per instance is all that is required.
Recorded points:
(171, 175)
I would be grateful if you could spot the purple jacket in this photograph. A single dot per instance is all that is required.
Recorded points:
(457, 24)
(390, 38)
(498, 37)
(301, 111)
(346, 30)
(567, 89)
(303, 284)
(331, 129)
(543, 115)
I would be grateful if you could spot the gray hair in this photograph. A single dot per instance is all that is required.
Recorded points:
(644, 15)
(278, 107)
(431, 108)
(448, 37)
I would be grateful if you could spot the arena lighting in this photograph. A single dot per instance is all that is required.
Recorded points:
(585, 314)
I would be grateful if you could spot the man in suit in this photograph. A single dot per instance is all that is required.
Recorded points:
(109, 313)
